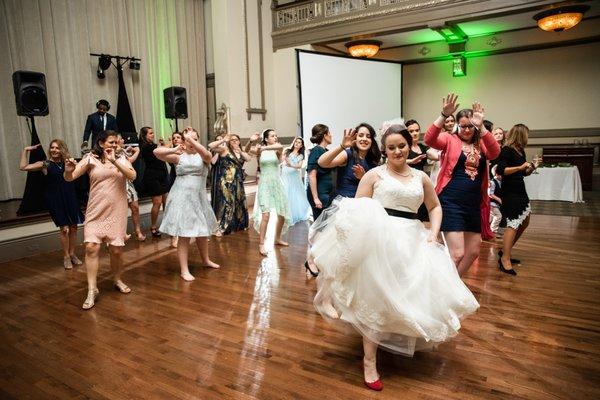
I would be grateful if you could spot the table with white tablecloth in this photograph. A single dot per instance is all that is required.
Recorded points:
(560, 183)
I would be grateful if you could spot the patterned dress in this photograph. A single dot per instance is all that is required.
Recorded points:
(228, 197)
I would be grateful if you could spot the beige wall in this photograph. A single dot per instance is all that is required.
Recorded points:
(546, 89)
(281, 97)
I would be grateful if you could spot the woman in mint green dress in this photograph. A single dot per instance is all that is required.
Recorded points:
(270, 194)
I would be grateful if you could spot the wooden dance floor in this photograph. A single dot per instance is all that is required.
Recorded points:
(249, 330)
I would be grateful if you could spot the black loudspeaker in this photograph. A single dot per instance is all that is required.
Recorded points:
(30, 93)
(175, 103)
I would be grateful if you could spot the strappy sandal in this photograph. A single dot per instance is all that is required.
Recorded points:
(90, 301)
(122, 287)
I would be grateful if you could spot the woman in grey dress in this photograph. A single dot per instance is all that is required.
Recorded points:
(188, 213)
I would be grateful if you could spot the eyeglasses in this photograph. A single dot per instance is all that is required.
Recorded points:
(465, 127)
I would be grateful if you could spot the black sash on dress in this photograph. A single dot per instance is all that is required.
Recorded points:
(401, 214)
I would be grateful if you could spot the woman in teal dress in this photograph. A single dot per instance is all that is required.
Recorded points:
(320, 180)
(291, 174)
(270, 194)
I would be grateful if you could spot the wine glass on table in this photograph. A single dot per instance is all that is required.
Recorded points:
(537, 160)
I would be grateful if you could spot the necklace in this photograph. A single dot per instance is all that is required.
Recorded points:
(409, 173)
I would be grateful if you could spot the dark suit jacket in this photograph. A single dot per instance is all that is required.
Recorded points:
(94, 125)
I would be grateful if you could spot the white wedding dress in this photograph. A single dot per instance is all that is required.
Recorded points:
(382, 275)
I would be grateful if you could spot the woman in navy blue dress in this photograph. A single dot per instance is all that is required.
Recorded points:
(59, 196)
(320, 180)
(357, 154)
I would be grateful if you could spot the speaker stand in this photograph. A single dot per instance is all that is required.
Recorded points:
(176, 126)
(33, 196)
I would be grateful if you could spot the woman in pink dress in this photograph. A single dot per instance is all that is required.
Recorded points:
(106, 213)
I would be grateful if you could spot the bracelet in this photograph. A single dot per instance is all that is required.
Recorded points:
(343, 148)
(444, 115)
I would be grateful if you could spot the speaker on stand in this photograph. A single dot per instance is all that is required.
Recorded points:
(32, 101)
(175, 104)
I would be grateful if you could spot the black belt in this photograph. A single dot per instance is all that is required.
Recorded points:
(401, 214)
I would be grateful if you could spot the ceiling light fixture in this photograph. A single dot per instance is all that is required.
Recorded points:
(560, 18)
(363, 48)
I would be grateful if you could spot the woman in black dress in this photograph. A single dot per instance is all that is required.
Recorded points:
(418, 154)
(59, 197)
(513, 167)
(156, 178)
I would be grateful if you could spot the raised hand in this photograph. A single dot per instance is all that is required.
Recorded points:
(449, 105)
(349, 138)
(109, 153)
(477, 118)
(416, 160)
(31, 148)
(358, 171)
(255, 136)
(70, 164)
(178, 149)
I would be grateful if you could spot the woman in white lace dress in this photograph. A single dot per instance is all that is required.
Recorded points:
(188, 214)
(381, 270)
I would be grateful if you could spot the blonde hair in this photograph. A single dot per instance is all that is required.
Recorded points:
(517, 136)
(62, 147)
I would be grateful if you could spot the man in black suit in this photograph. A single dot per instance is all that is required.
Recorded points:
(97, 122)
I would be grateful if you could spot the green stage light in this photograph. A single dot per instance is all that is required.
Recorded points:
(459, 66)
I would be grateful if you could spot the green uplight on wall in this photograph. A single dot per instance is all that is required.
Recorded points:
(459, 66)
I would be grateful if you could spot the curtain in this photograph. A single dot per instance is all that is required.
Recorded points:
(55, 37)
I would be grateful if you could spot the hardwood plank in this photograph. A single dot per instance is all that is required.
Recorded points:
(249, 330)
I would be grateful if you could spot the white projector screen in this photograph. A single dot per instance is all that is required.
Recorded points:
(342, 92)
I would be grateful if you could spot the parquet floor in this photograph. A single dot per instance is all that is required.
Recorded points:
(249, 331)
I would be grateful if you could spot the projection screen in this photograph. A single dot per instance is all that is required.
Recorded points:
(342, 92)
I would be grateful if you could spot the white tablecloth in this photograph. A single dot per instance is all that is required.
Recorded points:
(555, 184)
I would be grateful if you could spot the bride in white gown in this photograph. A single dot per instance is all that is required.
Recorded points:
(381, 270)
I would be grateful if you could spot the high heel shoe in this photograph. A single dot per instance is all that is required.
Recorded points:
(375, 385)
(122, 287)
(155, 232)
(307, 266)
(90, 301)
(512, 260)
(506, 271)
(75, 260)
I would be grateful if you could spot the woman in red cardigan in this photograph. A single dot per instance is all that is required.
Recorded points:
(463, 179)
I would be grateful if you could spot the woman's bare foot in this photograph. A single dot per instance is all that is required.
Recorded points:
(174, 241)
(127, 237)
(281, 243)
(140, 237)
(262, 250)
(186, 276)
(211, 264)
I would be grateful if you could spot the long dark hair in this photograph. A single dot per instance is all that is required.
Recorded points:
(318, 133)
(395, 130)
(467, 112)
(143, 135)
(290, 149)
(373, 157)
(97, 150)
(265, 136)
